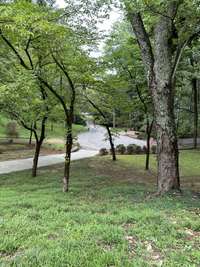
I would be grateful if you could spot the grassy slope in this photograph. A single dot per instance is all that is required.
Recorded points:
(105, 220)
(58, 129)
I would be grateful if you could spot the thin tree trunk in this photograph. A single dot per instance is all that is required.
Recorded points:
(107, 128)
(69, 143)
(114, 118)
(39, 142)
(36, 157)
(195, 100)
(30, 138)
(148, 131)
(52, 126)
(111, 143)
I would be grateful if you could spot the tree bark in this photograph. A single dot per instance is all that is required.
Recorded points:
(39, 142)
(167, 145)
(36, 157)
(148, 132)
(69, 144)
(160, 70)
(112, 147)
(162, 88)
(30, 138)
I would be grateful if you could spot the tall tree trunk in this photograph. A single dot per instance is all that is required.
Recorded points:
(112, 147)
(163, 89)
(36, 157)
(161, 58)
(69, 143)
(167, 145)
(195, 100)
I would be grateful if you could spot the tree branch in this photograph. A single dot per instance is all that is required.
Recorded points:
(27, 52)
(143, 41)
(96, 107)
(180, 51)
(51, 89)
(73, 90)
(14, 50)
(61, 66)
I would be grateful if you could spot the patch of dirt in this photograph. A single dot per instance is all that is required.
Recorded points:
(11, 255)
(153, 254)
(127, 226)
(132, 243)
(52, 236)
(117, 171)
(55, 141)
(191, 234)
(192, 182)
(14, 151)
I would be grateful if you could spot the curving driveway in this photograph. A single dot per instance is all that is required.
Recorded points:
(90, 142)
(95, 139)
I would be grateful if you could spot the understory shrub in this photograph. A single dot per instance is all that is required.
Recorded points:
(154, 149)
(138, 150)
(11, 130)
(103, 152)
(131, 149)
(144, 149)
(121, 149)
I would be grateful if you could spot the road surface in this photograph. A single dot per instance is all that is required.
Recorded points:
(95, 139)
(90, 142)
(26, 164)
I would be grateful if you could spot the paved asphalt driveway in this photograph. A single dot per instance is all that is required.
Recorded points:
(95, 139)
(90, 142)
(25, 164)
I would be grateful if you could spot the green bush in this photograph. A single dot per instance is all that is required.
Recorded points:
(131, 149)
(154, 149)
(103, 152)
(138, 150)
(11, 130)
(121, 149)
(144, 149)
(142, 135)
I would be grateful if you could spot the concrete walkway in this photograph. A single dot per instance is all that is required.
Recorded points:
(26, 164)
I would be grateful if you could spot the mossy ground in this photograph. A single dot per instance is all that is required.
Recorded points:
(107, 218)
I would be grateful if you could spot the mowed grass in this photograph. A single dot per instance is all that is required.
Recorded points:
(106, 220)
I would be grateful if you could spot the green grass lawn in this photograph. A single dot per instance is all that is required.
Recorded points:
(106, 220)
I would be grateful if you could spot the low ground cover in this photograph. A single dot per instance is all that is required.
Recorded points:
(107, 218)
